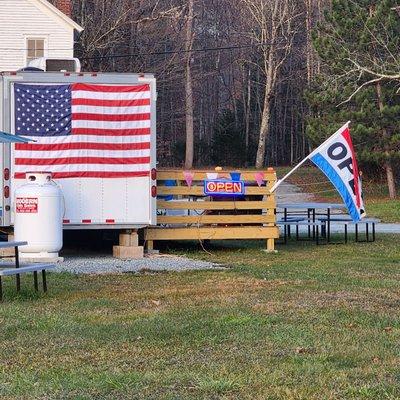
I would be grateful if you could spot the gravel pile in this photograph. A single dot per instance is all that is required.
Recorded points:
(108, 265)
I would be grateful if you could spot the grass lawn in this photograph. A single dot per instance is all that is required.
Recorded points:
(307, 323)
(384, 209)
(377, 202)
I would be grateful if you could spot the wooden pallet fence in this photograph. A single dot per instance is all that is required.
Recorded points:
(191, 215)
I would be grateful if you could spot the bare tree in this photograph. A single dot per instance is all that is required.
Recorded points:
(272, 30)
(189, 108)
(122, 27)
(251, 69)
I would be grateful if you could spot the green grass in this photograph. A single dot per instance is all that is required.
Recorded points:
(307, 323)
(377, 203)
(385, 209)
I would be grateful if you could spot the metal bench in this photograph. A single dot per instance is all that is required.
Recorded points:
(346, 220)
(6, 270)
(287, 223)
(35, 268)
(301, 222)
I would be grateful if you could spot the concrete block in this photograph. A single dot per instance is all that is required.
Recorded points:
(152, 252)
(31, 259)
(128, 252)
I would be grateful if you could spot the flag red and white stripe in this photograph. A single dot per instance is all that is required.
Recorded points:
(103, 131)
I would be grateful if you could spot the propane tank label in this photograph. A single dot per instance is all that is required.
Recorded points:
(27, 205)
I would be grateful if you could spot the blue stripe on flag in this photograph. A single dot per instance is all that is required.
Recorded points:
(334, 177)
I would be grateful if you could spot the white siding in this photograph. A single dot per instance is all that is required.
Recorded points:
(20, 19)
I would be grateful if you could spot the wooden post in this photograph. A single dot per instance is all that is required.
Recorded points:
(134, 239)
(271, 245)
(124, 239)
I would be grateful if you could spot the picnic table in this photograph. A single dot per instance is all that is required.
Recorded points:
(311, 210)
(347, 220)
(16, 269)
(314, 214)
(297, 222)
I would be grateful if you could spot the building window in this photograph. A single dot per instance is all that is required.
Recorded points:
(35, 49)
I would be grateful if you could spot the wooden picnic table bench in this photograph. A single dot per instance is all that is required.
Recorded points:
(17, 269)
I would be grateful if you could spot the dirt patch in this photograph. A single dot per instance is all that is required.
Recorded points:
(367, 300)
(221, 290)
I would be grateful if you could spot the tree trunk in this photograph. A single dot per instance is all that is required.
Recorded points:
(270, 72)
(390, 179)
(388, 164)
(264, 128)
(189, 112)
(248, 111)
(309, 46)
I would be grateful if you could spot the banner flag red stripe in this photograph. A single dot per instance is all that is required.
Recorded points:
(82, 160)
(89, 174)
(110, 117)
(82, 146)
(111, 132)
(347, 137)
(110, 103)
(110, 89)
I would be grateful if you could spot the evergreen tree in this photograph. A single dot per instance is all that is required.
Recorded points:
(358, 43)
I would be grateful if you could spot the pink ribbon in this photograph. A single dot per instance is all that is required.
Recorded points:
(188, 175)
(259, 178)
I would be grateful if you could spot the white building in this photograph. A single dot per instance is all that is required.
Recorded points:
(31, 29)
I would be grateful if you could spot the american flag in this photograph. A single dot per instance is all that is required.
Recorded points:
(83, 131)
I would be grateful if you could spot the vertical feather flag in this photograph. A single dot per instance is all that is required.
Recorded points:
(337, 160)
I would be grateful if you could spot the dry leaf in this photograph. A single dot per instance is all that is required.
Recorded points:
(301, 350)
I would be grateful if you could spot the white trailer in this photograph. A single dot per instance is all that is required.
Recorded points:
(90, 202)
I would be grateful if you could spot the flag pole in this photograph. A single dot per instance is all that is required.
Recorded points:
(288, 174)
(307, 158)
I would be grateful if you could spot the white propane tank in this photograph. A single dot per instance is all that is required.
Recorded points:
(38, 207)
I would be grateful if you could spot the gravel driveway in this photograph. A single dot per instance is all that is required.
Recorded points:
(95, 264)
(288, 192)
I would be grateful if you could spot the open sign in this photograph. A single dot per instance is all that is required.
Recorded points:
(224, 188)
